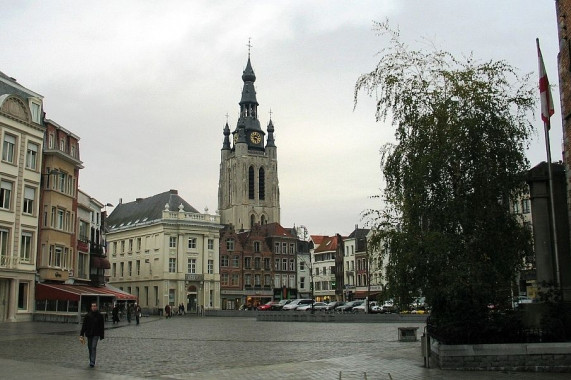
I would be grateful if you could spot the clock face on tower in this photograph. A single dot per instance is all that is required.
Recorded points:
(255, 137)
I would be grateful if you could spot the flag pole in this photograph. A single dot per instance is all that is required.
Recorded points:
(546, 112)
(552, 201)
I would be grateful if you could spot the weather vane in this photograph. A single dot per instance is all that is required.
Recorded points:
(249, 45)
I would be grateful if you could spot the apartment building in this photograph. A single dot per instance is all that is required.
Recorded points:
(21, 133)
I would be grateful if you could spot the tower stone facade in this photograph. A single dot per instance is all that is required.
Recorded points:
(248, 189)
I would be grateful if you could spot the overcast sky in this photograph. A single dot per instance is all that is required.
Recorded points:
(147, 85)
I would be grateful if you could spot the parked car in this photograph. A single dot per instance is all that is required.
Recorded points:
(267, 306)
(348, 307)
(280, 305)
(389, 307)
(333, 304)
(320, 306)
(377, 309)
(293, 305)
(361, 308)
(317, 306)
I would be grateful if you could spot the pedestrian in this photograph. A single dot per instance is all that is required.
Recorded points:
(182, 308)
(93, 328)
(115, 314)
(137, 313)
(168, 311)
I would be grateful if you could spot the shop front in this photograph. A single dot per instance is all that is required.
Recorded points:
(68, 303)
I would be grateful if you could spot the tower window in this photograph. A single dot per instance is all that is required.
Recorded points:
(251, 182)
(262, 184)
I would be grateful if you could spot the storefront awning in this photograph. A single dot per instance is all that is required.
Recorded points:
(100, 262)
(65, 292)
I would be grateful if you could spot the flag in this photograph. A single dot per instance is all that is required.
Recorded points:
(544, 90)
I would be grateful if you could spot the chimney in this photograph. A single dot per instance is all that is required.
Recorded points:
(139, 200)
(172, 191)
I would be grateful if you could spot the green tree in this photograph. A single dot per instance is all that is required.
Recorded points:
(461, 132)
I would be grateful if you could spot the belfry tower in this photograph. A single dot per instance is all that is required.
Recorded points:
(248, 190)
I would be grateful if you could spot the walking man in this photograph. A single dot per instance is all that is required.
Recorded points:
(94, 329)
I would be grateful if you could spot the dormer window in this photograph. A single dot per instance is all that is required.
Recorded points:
(36, 110)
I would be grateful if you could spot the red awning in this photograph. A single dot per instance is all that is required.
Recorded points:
(65, 292)
(100, 262)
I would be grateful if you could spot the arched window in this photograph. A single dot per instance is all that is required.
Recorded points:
(251, 182)
(262, 184)
(252, 221)
(263, 220)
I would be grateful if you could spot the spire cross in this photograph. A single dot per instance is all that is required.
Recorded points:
(249, 46)
(226, 117)
(271, 114)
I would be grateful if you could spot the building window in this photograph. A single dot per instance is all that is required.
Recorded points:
(262, 184)
(526, 207)
(191, 266)
(291, 264)
(317, 271)
(247, 262)
(36, 111)
(251, 182)
(223, 261)
(138, 267)
(292, 248)
(284, 264)
(302, 265)
(210, 244)
(515, 207)
(130, 245)
(247, 280)
(277, 281)
(277, 264)
(224, 279)
(5, 194)
(29, 196)
(277, 248)
(236, 261)
(8, 148)
(122, 269)
(256, 246)
(284, 248)
(172, 242)
(235, 279)
(267, 280)
(210, 266)
(130, 268)
(257, 263)
(191, 243)
(267, 263)
(172, 265)
(114, 270)
(3, 245)
(257, 280)
(26, 247)
(23, 296)
(230, 244)
(32, 156)
(139, 240)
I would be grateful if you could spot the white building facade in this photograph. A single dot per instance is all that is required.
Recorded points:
(165, 255)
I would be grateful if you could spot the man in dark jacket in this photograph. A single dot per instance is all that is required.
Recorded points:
(94, 329)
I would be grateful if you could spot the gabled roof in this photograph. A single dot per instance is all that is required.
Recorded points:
(147, 209)
(329, 243)
(359, 233)
(276, 230)
(317, 239)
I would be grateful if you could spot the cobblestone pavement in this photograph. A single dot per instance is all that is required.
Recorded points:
(225, 348)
